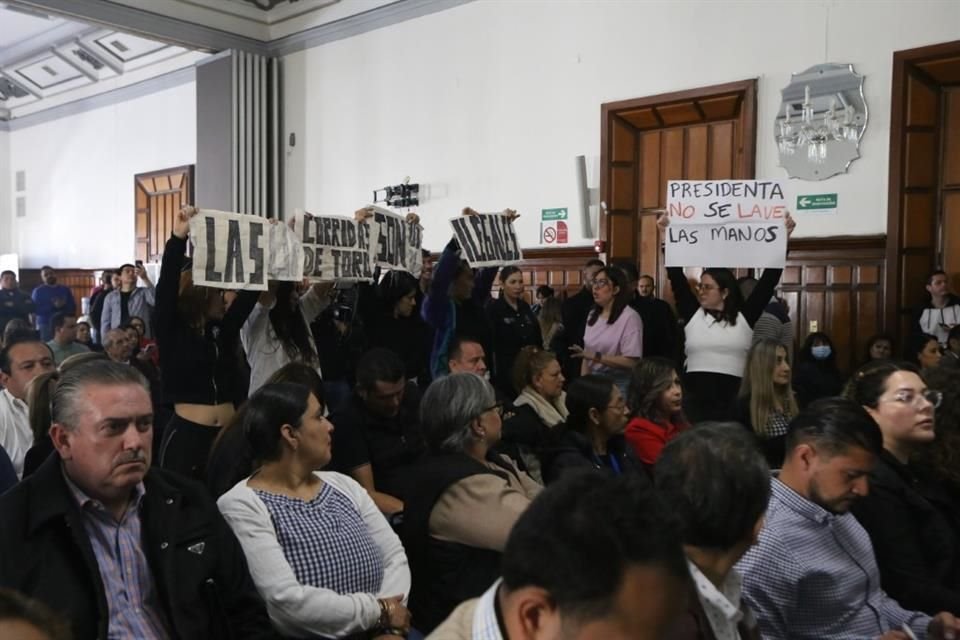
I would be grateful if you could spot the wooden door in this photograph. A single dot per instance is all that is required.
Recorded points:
(924, 183)
(703, 134)
(159, 196)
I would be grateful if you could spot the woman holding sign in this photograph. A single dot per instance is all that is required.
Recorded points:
(718, 325)
(198, 342)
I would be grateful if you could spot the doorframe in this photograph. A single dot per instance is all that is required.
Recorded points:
(902, 63)
(189, 169)
(747, 153)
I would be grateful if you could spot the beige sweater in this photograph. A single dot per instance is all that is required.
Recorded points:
(480, 510)
(459, 626)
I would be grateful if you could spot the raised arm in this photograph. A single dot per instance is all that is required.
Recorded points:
(687, 303)
(436, 306)
(754, 305)
(168, 285)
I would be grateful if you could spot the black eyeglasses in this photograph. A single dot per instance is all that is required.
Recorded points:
(497, 407)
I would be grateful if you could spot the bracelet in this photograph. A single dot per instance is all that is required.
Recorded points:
(392, 631)
(384, 619)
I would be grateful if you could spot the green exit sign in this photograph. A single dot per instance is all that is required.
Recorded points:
(819, 202)
(553, 214)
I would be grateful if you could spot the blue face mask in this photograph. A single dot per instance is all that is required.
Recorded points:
(821, 352)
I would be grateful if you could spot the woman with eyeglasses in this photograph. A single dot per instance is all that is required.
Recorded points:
(613, 340)
(322, 556)
(718, 325)
(466, 498)
(592, 437)
(914, 529)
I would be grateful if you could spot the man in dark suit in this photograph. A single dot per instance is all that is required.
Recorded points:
(120, 549)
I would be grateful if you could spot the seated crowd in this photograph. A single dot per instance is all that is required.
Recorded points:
(415, 457)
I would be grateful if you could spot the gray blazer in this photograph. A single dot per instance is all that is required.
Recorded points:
(140, 304)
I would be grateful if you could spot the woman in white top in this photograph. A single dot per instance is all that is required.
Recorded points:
(718, 325)
(277, 331)
(321, 554)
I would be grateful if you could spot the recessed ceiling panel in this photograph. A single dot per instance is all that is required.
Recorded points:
(47, 72)
(126, 47)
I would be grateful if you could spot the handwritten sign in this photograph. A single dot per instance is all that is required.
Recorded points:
(728, 223)
(400, 243)
(231, 250)
(487, 240)
(286, 254)
(336, 248)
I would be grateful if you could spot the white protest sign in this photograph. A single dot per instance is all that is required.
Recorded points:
(286, 254)
(230, 250)
(487, 240)
(726, 223)
(336, 248)
(399, 245)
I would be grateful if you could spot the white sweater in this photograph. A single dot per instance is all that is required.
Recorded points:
(717, 347)
(299, 610)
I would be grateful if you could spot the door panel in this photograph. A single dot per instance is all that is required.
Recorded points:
(159, 196)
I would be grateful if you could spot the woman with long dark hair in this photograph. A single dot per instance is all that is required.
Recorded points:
(718, 326)
(655, 401)
(912, 522)
(879, 347)
(592, 436)
(513, 326)
(816, 374)
(613, 340)
(198, 339)
(393, 322)
(322, 556)
(277, 332)
(923, 350)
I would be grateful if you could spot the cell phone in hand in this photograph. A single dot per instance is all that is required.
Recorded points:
(139, 264)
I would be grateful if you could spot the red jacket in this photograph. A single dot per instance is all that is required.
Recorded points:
(648, 438)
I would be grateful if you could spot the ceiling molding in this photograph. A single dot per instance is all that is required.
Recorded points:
(188, 34)
(53, 37)
(148, 24)
(360, 23)
(122, 94)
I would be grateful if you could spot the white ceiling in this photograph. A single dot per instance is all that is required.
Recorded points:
(48, 61)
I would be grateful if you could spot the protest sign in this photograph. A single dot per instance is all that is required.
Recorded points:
(286, 253)
(399, 244)
(487, 240)
(336, 248)
(230, 250)
(726, 223)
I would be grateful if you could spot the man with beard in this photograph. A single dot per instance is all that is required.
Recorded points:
(50, 298)
(813, 574)
(119, 549)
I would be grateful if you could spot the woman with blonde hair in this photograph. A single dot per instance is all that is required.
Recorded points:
(766, 403)
(540, 406)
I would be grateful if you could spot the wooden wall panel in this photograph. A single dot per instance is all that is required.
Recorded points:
(837, 283)
(561, 269)
(80, 281)
(951, 238)
(951, 139)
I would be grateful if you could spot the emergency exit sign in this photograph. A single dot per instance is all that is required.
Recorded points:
(818, 203)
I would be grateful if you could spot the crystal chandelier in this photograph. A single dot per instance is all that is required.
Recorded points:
(815, 129)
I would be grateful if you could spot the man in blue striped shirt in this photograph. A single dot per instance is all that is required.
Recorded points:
(813, 574)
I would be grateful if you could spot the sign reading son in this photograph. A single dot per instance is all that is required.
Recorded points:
(729, 223)
(400, 241)
(231, 250)
(487, 239)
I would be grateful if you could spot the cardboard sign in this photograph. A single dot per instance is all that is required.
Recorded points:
(231, 250)
(726, 223)
(487, 240)
(336, 248)
(399, 245)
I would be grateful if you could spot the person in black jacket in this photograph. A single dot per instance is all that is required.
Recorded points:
(575, 310)
(390, 316)
(912, 522)
(660, 329)
(513, 326)
(198, 341)
(95, 522)
(816, 374)
(592, 437)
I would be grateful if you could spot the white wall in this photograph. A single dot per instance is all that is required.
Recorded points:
(80, 190)
(6, 195)
(489, 102)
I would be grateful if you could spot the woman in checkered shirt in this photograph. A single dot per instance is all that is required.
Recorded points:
(321, 554)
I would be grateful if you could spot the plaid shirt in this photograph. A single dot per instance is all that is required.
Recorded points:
(813, 575)
(127, 580)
